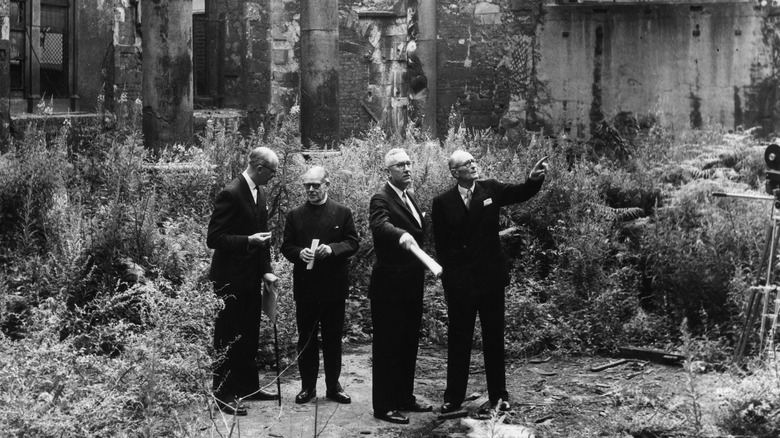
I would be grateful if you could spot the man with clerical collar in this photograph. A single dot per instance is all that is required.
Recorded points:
(319, 238)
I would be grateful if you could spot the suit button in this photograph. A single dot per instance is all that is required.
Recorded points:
(464, 246)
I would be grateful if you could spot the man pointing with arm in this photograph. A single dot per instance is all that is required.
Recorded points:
(465, 230)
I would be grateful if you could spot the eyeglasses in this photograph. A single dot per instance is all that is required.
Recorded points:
(468, 163)
(273, 171)
(308, 186)
(402, 164)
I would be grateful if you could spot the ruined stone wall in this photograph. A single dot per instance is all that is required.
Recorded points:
(486, 58)
(372, 63)
(246, 56)
(120, 63)
(354, 61)
(687, 65)
(286, 51)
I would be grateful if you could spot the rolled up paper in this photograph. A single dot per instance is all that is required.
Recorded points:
(314, 244)
(429, 262)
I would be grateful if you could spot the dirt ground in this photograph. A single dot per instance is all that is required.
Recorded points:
(553, 397)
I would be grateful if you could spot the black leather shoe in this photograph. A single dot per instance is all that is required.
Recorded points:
(232, 408)
(305, 395)
(418, 407)
(392, 417)
(262, 395)
(339, 397)
(504, 406)
(448, 407)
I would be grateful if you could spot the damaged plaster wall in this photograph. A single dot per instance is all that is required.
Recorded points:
(511, 65)
(685, 65)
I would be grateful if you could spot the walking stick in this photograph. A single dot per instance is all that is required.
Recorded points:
(269, 308)
(276, 351)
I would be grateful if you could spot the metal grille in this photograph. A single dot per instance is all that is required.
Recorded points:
(54, 51)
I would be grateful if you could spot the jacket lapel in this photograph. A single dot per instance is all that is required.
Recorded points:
(403, 206)
(455, 207)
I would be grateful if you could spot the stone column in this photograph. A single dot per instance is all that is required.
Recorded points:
(167, 71)
(426, 49)
(319, 72)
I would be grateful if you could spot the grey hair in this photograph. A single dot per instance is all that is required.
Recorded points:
(390, 153)
(318, 170)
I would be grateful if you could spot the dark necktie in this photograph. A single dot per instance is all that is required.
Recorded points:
(409, 205)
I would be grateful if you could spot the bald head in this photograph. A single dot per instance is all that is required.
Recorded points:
(262, 166)
(463, 167)
(457, 158)
(262, 156)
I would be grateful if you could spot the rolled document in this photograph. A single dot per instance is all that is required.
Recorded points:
(314, 244)
(429, 262)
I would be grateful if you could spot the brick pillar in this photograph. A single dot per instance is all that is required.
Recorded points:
(167, 71)
(319, 72)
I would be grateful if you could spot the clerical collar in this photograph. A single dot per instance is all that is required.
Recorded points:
(324, 200)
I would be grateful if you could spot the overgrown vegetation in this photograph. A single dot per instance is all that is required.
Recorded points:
(105, 305)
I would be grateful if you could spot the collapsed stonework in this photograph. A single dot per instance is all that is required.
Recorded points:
(505, 65)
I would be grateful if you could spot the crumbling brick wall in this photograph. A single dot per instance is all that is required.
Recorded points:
(486, 51)
(353, 77)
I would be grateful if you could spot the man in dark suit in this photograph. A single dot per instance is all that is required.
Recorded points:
(465, 231)
(396, 292)
(238, 233)
(320, 281)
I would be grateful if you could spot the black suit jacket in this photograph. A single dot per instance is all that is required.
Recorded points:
(397, 275)
(466, 240)
(236, 267)
(332, 223)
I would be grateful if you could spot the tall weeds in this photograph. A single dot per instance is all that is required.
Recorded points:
(105, 306)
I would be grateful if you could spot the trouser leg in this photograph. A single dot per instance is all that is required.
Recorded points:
(491, 316)
(410, 316)
(460, 332)
(332, 328)
(307, 316)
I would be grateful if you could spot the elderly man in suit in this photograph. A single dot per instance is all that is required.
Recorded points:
(320, 281)
(396, 292)
(238, 233)
(465, 230)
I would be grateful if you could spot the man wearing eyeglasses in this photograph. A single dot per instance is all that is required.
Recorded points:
(396, 292)
(238, 234)
(465, 231)
(319, 238)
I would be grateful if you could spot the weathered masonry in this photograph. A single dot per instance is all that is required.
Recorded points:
(506, 65)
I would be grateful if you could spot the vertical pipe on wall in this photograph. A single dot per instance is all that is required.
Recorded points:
(319, 72)
(426, 47)
(167, 71)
